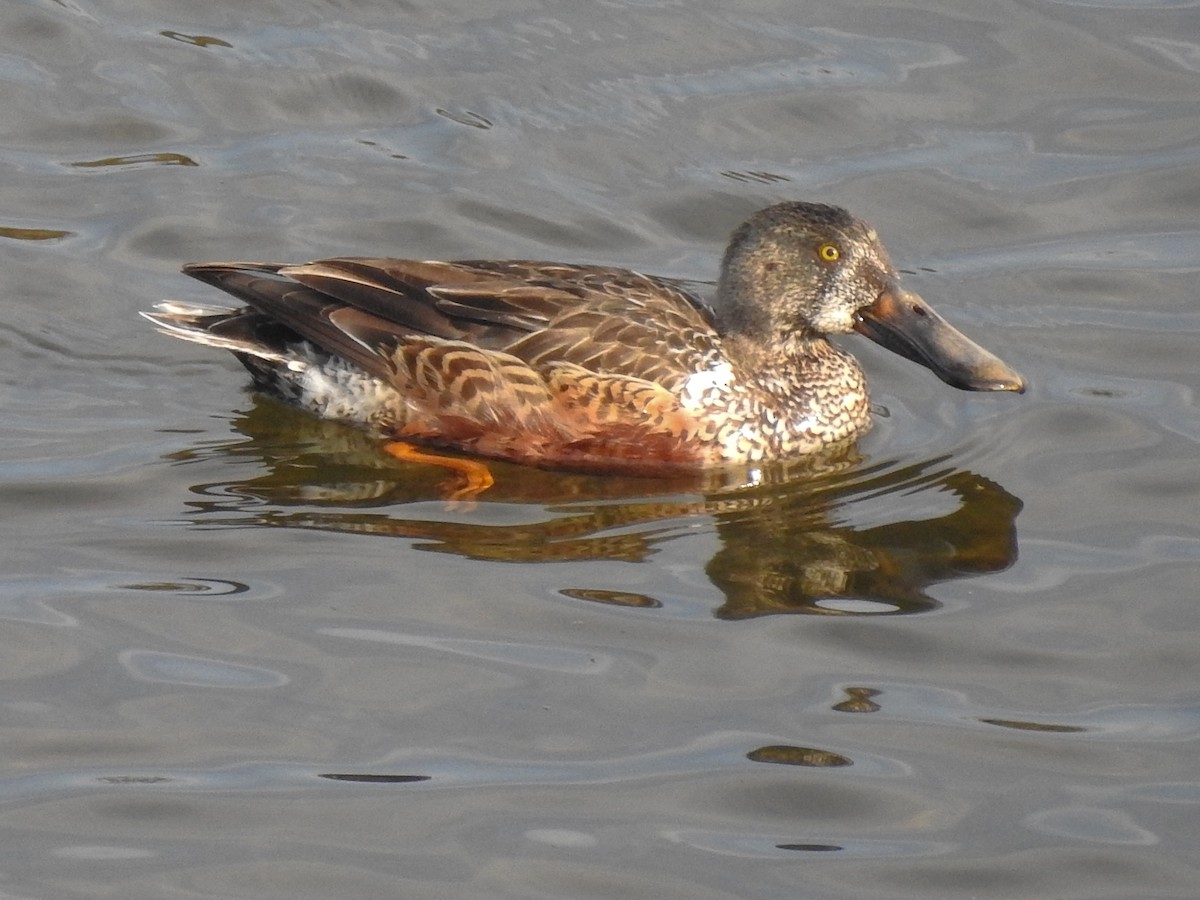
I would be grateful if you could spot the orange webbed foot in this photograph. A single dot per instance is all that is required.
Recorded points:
(472, 476)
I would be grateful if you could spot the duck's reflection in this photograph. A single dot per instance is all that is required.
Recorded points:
(833, 536)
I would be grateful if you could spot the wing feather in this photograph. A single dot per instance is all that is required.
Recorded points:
(605, 320)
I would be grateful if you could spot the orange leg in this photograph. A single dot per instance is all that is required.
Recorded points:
(473, 476)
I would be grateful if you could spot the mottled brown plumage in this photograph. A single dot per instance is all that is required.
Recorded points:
(588, 367)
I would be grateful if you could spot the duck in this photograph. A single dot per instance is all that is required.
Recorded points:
(587, 367)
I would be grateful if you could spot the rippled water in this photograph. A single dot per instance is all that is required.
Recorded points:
(249, 654)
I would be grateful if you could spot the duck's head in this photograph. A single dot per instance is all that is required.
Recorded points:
(798, 271)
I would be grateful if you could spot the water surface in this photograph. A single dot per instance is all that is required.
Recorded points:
(248, 654)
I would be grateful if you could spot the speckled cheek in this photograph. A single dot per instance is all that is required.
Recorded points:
(838, 320)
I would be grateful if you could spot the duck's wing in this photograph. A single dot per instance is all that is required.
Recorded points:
(604, 320)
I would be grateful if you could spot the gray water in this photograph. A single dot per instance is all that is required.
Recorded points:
(245, 654)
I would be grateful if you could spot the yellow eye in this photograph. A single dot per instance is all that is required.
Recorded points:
(829, 252)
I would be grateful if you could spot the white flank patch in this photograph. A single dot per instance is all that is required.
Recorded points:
(337, 389)
(701, 383)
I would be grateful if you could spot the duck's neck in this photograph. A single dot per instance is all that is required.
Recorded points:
(809, 356)
(814, 386)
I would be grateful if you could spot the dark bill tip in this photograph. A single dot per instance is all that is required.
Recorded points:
(907, 325)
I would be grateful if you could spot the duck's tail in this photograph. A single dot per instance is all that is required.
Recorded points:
(236, 330)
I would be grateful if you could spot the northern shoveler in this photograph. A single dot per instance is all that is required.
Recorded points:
(588, 367)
